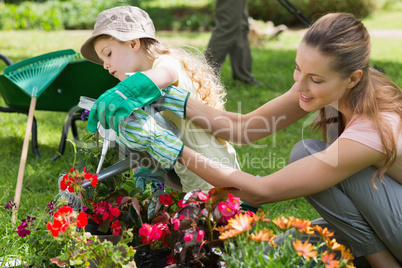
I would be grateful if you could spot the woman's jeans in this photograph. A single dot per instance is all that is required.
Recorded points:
(365, 219)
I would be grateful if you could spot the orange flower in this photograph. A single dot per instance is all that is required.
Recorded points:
(260, 216)
(332, 244)
(241, 222)
(328, 259)
(263, 235)
(304, 249)
(323, 232)
(303, 226)
(229, 234)
(224, 228)
(346, 254)
(283, 222)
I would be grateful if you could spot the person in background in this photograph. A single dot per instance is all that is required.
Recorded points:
(230, 37)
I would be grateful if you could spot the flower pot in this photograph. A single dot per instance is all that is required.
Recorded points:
(92, 227)
(148, 258)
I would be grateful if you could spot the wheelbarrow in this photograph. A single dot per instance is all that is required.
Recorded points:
(79, 77)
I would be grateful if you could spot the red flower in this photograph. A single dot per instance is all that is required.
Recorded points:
(166, 200)
(171, 260)
(63, 211)
(72, 181)
(65, 182)
(116, 227)
(82, 220)
(92, 178)
(54, 227)
(181, 204)
(115, 211)
(119, 199)
(63, 219)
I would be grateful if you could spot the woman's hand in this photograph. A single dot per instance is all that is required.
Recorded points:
(247, 128)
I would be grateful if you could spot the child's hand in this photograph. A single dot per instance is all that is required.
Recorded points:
(140, 132)
(118, 102)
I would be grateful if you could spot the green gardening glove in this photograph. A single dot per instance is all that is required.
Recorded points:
(173, 99)
(118, 102)
(140, 132)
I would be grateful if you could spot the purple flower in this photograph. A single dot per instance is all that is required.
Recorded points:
(22, 232)
(51, 207)
(21, 229)
(84, 115)
(10, 205)
(160, 186)
(84, 208)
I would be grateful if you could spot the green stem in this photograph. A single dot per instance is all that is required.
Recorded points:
(87, 246)
(209, 225)
(82, 205)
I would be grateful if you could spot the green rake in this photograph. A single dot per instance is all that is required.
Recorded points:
(33, 76)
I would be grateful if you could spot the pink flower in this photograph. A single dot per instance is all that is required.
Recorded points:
(200, 235)
(226, 211)
(145, 232)
(233, 202)
(156, 233)
(188, 237)
(202, 196)
(176, 224)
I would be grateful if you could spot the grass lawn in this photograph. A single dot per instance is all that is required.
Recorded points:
(273, 65)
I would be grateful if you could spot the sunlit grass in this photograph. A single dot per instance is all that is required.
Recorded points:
(272, 65)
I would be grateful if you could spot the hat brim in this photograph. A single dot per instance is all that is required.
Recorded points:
(88, 50)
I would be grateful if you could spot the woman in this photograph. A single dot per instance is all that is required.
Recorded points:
(354, 181)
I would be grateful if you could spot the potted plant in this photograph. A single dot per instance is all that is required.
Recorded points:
(190, 232)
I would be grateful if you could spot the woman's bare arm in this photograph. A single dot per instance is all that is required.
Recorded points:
(306, 176)
(246, 128)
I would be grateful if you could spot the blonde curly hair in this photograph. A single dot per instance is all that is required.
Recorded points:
(209, 87)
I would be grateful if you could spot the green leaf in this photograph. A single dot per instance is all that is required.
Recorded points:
(155, 204)
(62, 260)
(104, 226)
(134, 216)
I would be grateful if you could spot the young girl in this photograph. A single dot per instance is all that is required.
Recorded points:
(353, 181)
(124, 41)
